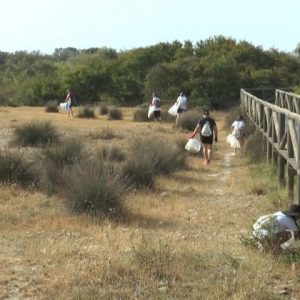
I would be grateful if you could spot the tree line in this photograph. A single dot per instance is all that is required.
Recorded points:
(210, 72)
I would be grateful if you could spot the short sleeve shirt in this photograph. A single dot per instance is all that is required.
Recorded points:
(284, 222)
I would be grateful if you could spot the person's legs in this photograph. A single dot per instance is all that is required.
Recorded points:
(209, 150)
(205, 153)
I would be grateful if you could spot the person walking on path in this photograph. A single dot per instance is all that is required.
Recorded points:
(208, 132)
(156, 103)
(70, 100)
(239, 131)
(182, 106)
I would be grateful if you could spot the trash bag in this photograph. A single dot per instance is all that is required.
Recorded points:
(173, 110)
(233, 141)
(150, 111)
(193, 145)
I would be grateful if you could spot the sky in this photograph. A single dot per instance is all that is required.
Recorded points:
(43, 25)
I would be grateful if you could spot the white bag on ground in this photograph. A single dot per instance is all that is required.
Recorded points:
(63, 106)
(150, 111)
(173, 110)
(233, 141)
(193, 145)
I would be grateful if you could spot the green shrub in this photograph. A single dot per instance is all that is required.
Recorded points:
(65, 152)
(150, 156)
(92, 186)
(51, 106)
(15, 169)
(86, 112)
(188, 120)
(140, 115)
(35, 133)
(115, 114)
(103, 110)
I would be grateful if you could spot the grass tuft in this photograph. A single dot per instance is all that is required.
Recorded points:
(92, 186)
(86, 112)
(15, 169)
(35, 133)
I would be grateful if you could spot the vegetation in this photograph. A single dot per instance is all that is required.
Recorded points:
(115, 114)
(167, 242)
(14, 168)
(86, 112)
(210, 72)
(189, 120)
(92, 186)
(35, 133)
(51, 106)
(150, 156)
(67, 151)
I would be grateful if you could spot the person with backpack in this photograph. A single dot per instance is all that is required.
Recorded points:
(156, 104)
(239, 131)
(208, 132)
(274, 230)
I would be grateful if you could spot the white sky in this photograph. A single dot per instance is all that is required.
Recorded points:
(125, 24)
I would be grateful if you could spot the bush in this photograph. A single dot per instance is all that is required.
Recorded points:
(103, 109)
(65, 152)
(51, 106)
(151, 156)
(115, 114)
(35, 133)
(15, 169)
(92, 187)
(140, 115)
(188, 120)
(86, 112)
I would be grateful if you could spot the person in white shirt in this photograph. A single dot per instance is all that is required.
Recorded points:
(156, 103)
(182, 105)
(239, 131)
(276, 228)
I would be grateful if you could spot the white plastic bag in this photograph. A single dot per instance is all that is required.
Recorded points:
(63, 106)
(233, 141)
(173, 110)
(193, 145)
(150, 111)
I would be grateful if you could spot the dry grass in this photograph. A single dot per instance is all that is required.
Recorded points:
(179, 241)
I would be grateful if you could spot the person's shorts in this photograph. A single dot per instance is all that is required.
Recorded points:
(180, 110)
(206, 139)
(156, 114)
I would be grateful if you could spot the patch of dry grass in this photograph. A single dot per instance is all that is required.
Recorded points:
(181, 240)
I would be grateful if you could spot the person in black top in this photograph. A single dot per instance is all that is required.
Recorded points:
(208, 129)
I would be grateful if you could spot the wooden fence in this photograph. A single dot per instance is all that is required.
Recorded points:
(280, 126)
(287, 100)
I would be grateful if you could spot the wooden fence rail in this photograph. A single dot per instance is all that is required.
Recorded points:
(287, 100)
(280, 128)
